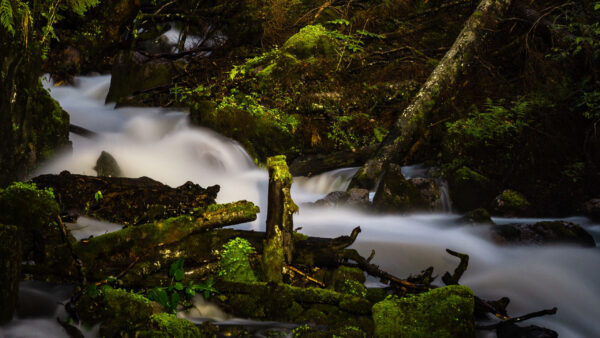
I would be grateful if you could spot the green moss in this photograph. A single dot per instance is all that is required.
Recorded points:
(175, 327)
(299, 237)
(344, 274)
(119, 303)
(443, 312)
(354, 288)
(469, 189)
(234, 265)
(511, 203)
(23, 204)
(278, 169)
(310, 41)
(376, 295)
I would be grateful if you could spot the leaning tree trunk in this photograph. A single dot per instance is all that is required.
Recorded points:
(411, 123)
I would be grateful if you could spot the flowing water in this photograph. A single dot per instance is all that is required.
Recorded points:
(162, 145)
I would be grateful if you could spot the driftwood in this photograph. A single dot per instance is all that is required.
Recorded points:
(125, 200)
(412, 122)
(452, 279)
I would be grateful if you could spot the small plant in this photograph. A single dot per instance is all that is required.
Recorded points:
(98, 196)
(235, 264)
(170, 297)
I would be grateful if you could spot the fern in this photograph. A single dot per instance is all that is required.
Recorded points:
(6, 16)
(81, 6)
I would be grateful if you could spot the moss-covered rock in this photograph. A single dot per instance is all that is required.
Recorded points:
(477, 216)
(541, 233)
(469, 189)
(311, 41)
(443, 312)
(344, 274)
(172, 326)
(396, 194)
(510, 203)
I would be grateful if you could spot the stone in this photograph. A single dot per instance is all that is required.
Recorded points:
(107, 166)
(541, 233)
(353, 198)
(475, 217)
(591, 209)
(469, 189)
(396, 194)
(510, 204)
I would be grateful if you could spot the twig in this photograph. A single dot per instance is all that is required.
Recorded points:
(453, 279)
(519, 319)
(305, 275)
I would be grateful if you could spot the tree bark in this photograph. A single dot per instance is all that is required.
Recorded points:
(413, 120)
(10, 270)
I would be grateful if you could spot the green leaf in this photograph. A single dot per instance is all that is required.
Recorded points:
(159, 295)
(177, 265)
(179, 274)
(92, 291)
(174, 300)
(178, 286)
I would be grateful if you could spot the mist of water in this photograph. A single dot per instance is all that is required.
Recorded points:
(162, 145)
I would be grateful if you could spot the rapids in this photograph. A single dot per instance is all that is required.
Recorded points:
(162, 145)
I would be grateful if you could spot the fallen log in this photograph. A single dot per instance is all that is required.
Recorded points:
(115, 248)
(128, 201)
(412, 122)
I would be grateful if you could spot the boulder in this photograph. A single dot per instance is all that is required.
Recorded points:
(107, 166)
(353, 198)
(430, 191)
(475, 217)
(396, 194)
(442, 312)
(469, 189)
(541, 233)
(510, 204)
(591, 209)
(310, 41)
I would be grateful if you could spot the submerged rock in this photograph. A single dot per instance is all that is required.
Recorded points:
(443, 312)
(510, 204)
(106, 165)
(542, 233)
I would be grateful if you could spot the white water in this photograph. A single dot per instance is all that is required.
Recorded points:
(163, 146)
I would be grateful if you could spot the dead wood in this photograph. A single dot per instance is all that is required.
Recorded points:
(452, 279)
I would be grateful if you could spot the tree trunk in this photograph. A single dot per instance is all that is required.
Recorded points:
(279, 244)
(413, 120)
(10, 270)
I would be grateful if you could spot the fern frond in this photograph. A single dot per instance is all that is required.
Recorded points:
(80, 6)
(6, 16)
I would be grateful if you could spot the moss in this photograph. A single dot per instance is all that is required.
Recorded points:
(23, 204)
(310, 41)
(354, 288)
(469, 189)
(299, 237)
(477, 216)
(175, 327)
(273, 257)
(376, 295)
(278, 169)
(443, 312)
(234, 265)
(511, 203)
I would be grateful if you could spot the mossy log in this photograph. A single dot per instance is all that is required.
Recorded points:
(279, 244)
(125, 200)
(412, 122)
(113, 252)
(10, 270)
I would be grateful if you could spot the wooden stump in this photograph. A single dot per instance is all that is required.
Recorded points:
(10, 270)
(279, 245)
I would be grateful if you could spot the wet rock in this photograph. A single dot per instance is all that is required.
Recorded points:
(510, 204)
(591, 209)
(543, 233)
(107, 166)
(396, 194)
(353, 198)
(442, 312)
(511, 330)
(469, 190)
(310, 41)
(477, 216)
(430, 191)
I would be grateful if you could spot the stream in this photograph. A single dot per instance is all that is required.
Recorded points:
(161, 144)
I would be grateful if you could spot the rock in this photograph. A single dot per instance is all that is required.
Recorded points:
(309, 42)
(510, 204)
(542, 233)
(477, 216)
(442, 312)
(591, 209)
(430, 191)
(107, 166)
(396, 194)
(10, 271)
(353, 198)
(469, 190)
(512, 330)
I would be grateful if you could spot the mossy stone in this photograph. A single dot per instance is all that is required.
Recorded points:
(469, 189)
(175, 327)
(510, 203)
(310, 41)
(443, 312)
